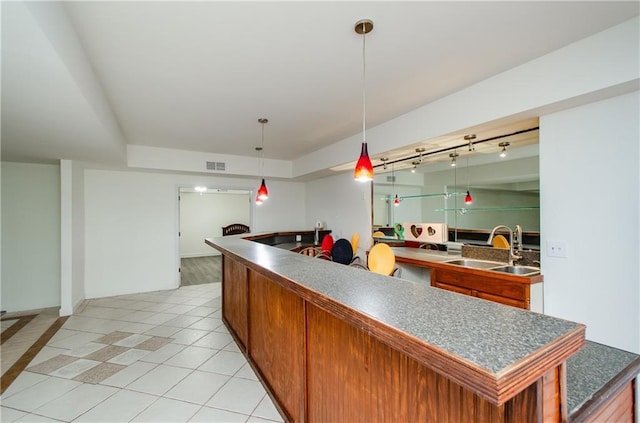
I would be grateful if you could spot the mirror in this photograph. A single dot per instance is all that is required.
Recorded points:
(505, 190)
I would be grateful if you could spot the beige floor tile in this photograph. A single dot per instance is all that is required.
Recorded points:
(106, 353)
(113, 337)
(99, 373)
(52, 364)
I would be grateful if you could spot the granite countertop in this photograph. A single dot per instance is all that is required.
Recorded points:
(595, 369)
(479, 333)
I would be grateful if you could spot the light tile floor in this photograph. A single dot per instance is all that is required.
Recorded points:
(154, 357)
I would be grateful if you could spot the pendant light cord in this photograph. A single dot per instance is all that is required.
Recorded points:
(364, 83)
(262, 164)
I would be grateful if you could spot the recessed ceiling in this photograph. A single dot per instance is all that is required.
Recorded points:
(197, 75)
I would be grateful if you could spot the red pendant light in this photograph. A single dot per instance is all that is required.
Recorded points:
(364, 169)
(468, 199)
(396, 201)
(263, 193)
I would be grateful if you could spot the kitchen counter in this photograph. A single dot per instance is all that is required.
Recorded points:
(491, 350)
(595, 375)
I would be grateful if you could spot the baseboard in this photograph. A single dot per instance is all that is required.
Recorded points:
(199, 255)
(80, 306)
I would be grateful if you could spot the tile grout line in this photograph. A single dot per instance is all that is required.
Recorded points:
(10, 375)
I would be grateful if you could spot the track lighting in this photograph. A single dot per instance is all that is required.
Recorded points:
(504, 146)
(384, 162)
(469, 139)
(420, 150)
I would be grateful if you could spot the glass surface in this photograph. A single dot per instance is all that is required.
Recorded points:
(505, 191)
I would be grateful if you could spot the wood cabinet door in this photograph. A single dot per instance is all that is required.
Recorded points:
(486, 287)
(234, 298)
(277, 342)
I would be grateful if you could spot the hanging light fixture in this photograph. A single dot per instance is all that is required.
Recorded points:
(470, 139)
(468, 199)
(396, 200)
(415, 166)
(420, 150)
(364, 169)
(504, 146)
(453, 159)
(263, 193)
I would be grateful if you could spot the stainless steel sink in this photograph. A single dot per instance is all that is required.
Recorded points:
(477, 264)
(517, 270)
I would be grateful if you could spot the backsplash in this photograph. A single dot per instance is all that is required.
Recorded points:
(529, 258)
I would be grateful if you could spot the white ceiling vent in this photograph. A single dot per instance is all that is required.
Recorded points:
(216, 165)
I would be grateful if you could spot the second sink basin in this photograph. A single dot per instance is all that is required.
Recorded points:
(517, 270)
(477, 264)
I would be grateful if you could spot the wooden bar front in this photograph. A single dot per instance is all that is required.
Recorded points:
(320, 367)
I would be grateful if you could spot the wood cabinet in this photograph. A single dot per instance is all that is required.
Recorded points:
(235, 295)
(481, 284)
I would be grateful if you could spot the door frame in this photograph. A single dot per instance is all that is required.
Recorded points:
(210, 187)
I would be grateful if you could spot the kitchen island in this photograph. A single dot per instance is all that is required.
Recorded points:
(336, 343)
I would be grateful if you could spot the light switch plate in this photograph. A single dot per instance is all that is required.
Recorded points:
(557, 249)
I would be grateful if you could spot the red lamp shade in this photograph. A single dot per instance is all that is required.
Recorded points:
(396, 201)
(364, 169)
(263, 194)
(468, 199)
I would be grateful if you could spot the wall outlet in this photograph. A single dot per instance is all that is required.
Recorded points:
(557, 248)
(298, 238)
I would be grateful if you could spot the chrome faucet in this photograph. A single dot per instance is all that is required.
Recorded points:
(517, 233)
(512, 255)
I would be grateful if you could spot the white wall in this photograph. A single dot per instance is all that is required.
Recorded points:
(202, 215)
(30, 236)
(343, 205)
(131, 218)
(78, 234)
(589, 182)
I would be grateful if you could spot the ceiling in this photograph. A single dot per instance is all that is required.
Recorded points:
(197, 75)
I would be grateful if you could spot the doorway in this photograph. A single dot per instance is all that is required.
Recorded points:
(202, 213)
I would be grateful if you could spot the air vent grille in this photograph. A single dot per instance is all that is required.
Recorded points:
(216, 166)
(391, 178)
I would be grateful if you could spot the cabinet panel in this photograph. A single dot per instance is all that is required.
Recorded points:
(502, 300)
(234, 298)
(277, 341)
(353, 377)
(453, 288)
(483, 286)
